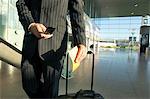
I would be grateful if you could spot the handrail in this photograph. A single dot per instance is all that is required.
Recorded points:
(10, 45)
(10, 54)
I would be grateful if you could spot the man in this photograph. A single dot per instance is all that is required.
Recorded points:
(43, 54)
(144, 43)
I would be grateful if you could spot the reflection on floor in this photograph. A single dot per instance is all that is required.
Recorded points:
(119, 74)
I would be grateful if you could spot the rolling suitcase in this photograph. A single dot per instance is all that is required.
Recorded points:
(82, 94)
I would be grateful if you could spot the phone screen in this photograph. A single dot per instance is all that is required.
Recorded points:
(49, 30)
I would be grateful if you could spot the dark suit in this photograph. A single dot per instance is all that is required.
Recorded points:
(51, 13)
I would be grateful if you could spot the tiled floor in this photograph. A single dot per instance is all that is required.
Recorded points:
(119, 74)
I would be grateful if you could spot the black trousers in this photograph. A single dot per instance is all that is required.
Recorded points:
(40, 80)
(142, 49)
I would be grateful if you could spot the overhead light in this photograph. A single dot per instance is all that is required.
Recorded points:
(136, 5)
(132, 13)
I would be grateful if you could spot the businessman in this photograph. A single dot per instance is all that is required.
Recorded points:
(43, 54)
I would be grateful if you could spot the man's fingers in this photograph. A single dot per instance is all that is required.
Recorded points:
(46, 36)
(83, 55)
(43, 27)
(39, 28)
(79, 53)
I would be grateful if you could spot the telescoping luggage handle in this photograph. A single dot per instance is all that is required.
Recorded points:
(92, 76)
(67, 74)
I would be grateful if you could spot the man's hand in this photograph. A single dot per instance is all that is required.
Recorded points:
(38, 30)
(81, 54)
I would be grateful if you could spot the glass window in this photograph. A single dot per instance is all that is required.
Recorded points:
(4, 15)
(103, 26)
(136, 21)
(125, 31)
(124, 26)
(114, 26)
(113, 21)
(13, 2)
(118, 27)
(10, 17)
(0, 14)
(127, 21)
(124, 18)
(134, 26)
(4, 1)
(104, 30)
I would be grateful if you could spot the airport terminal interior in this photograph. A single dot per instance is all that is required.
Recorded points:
(116, 32)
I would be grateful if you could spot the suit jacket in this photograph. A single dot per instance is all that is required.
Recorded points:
(51, 13)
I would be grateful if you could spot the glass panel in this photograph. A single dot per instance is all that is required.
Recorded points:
(0, 13)
(4, 1)
(136, 21)
(4, 15)
(118, 27)
(113, 21)
(103, 26)
(127, 21)
(124, 26)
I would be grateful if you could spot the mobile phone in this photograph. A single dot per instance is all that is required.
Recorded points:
(49, 30)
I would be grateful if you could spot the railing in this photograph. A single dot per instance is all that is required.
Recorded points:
(10, 54)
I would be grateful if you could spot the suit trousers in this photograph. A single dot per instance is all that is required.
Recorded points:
(39, 79)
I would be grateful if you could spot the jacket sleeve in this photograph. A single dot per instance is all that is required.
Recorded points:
(76, 13)
(24, 13)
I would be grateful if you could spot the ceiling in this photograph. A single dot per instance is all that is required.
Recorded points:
(115, 8)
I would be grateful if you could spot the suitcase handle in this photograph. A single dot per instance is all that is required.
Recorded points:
(92, 78)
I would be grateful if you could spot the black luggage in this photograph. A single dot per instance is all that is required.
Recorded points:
(88, 94)
(82, 94)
